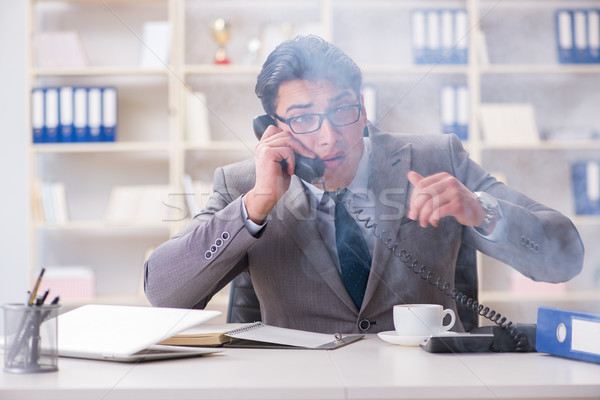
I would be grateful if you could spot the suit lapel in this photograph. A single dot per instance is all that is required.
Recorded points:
(301, 225)
(390, 186)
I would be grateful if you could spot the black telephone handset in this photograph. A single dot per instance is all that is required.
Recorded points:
(309, 169)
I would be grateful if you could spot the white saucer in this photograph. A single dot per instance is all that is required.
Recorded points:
(394, 338)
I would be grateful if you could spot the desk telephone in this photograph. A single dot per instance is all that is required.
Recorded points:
(503, 336)
(306, 168)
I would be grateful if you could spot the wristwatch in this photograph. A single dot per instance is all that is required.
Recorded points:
(491, 208)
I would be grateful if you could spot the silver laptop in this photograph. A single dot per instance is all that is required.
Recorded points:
(127, 333)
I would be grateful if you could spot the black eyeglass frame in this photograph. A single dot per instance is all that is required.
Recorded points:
(289, 121)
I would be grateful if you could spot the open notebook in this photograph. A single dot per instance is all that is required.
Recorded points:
(259, 335)
(127, 333)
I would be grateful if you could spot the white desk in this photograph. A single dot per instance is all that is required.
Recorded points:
(368, 369)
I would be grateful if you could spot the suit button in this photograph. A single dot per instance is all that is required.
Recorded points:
(225, 235)
(213, 248)
(364, 325)
(208, 255)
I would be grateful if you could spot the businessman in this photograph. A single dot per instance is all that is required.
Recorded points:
(332, 254)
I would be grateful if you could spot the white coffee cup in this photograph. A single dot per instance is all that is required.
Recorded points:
(421, 319)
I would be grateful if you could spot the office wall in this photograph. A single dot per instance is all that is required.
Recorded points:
(14, 203)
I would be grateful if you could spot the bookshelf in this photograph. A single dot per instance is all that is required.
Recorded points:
(153, 148)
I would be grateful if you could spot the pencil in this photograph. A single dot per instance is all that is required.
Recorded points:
(37, 286)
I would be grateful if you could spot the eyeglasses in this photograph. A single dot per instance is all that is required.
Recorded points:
(309, 123)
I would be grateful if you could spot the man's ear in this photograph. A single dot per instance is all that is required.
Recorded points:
(363, 109)
(364, 118)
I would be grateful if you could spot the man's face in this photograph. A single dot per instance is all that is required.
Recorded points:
(340, 147)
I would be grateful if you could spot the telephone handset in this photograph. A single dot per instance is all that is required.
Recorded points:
(306, 168)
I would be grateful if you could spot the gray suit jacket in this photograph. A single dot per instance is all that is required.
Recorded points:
(297, 282)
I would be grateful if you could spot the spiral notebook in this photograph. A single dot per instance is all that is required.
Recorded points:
(259, 335)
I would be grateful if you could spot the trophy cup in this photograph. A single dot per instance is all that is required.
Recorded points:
(221, 31)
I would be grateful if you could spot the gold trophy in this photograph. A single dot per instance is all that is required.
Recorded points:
(221, 32)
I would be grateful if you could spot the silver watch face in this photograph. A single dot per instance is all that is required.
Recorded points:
(490, 205)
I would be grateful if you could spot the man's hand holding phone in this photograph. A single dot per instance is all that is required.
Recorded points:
(272, 178)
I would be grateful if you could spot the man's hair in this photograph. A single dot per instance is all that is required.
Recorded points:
(306, 58)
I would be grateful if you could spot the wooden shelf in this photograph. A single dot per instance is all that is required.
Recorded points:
(441, 69)
(543, 297)
(101, 1)
(546, 145)
(230, 69)
(100, 147)
(149, 228)
(220, 146)
(67, 305)
(100, 71)
(569, 69)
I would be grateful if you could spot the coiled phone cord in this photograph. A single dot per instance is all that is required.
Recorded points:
(460, 298)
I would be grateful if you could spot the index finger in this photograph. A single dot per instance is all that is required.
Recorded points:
(414, 177)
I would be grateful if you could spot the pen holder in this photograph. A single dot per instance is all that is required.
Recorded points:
(30, 338)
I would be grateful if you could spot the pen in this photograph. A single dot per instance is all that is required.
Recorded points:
(37, 286)
(40, 300)
(47, 312)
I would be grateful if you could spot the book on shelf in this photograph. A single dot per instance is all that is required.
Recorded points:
(578, 35)
(73, 114)
(273, 33)
(569, 134)
(483, 55)
(454, 109)
(60, 49)
(49, 202)
(508, 124)
(369, 93)
(585, 182)
(71, 282)
(196, 194)
(155, 44)
(143, 204)
(440, 36)
(520, 283)
(258, 335)
(197, 128)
